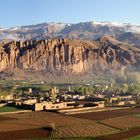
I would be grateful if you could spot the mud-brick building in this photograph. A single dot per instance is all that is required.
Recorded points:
(51, 106)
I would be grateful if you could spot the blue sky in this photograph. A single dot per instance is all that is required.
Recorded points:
(26, 12)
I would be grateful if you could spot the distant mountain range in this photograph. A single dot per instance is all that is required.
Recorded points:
(125, 32)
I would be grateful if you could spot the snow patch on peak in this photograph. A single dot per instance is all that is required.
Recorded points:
(116, 24)
(15, 28)
(127, 27)
(2, 29)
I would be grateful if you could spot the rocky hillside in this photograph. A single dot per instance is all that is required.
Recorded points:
(63, 56)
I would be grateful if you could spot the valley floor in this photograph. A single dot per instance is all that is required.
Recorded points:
(105, 125)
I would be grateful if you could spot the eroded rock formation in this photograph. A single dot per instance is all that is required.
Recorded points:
(67, 56)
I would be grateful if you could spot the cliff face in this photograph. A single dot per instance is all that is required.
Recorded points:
(67, 56)
(49, 55)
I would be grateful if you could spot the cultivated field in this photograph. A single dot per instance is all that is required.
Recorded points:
(24, 134)
(125, 135)
(107, 114)
(123, 122)
(37, 120)
(88, 130)
(66, 126)
(105, 125)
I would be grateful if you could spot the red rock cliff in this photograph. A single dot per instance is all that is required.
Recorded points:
(73, 56)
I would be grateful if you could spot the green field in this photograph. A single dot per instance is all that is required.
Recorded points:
(8, 109)
(134, 138)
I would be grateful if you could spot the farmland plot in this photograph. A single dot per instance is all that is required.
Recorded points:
(123, 122)
(92, 129)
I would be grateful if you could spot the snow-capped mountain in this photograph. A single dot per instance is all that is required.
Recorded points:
(85, 30)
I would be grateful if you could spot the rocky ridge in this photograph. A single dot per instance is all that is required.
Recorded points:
(63, 56)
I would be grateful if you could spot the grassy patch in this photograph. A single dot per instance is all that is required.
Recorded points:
(8, 109)
(134, 138)
(137, 115)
